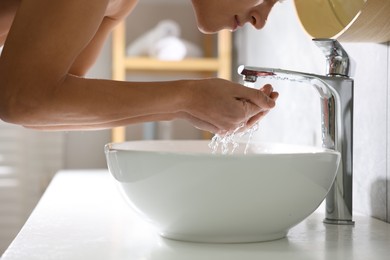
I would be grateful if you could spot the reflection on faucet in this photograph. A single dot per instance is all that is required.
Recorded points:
(336, 94)
(337, 60)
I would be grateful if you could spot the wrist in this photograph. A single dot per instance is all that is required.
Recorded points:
(183, 95)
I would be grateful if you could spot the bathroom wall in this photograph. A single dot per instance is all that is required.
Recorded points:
(284, 44)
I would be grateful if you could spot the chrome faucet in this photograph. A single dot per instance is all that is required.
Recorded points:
(336, 94)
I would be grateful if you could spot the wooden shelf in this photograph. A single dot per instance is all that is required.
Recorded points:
(190, 64)
(221, 64)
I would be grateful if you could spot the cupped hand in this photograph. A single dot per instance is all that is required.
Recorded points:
(267, 90)
(221, 106)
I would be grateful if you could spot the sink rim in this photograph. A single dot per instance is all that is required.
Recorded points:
(274, 148)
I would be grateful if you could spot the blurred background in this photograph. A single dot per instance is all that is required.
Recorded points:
(29, 159)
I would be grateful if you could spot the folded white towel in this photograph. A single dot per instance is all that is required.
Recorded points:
(168, 48)
(145, 42)
(163, 42)
(173, 48)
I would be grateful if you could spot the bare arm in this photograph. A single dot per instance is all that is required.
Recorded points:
(50, 42)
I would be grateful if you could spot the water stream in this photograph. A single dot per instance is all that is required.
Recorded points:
(229, 142)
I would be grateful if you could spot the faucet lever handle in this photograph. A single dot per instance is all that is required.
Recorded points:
(337, 60)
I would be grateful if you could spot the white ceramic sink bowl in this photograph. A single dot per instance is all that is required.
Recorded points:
(190, 194)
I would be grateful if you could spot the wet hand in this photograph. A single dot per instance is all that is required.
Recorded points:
(219, 106)
(269, 91)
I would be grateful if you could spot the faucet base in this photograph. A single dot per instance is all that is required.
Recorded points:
(338, 222)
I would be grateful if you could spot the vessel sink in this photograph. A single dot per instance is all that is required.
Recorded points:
(192, 194)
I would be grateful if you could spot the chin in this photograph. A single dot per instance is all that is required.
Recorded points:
(209, 30)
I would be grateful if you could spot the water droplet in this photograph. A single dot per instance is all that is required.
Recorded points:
(229, 143)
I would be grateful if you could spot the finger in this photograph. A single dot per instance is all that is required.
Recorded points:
(274, 95)
(267, 89)
(257, 117)
(253, 120)
(258, 98)
(264, 101)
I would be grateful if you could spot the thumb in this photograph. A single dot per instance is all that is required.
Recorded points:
(259, 98)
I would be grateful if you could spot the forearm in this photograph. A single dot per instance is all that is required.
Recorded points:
(106, 125)
(79, 103)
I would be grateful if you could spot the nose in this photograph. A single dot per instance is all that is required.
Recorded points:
(257, 20)
(259, 15)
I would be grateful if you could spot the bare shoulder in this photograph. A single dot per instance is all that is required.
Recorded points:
(72, 31)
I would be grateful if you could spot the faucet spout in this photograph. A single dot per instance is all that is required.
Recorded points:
(336, 95)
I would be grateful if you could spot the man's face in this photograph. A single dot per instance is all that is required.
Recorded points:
(215, 15)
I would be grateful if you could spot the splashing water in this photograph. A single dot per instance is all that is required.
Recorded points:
(229, 142)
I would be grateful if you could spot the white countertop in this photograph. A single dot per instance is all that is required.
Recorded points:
(83, 216)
